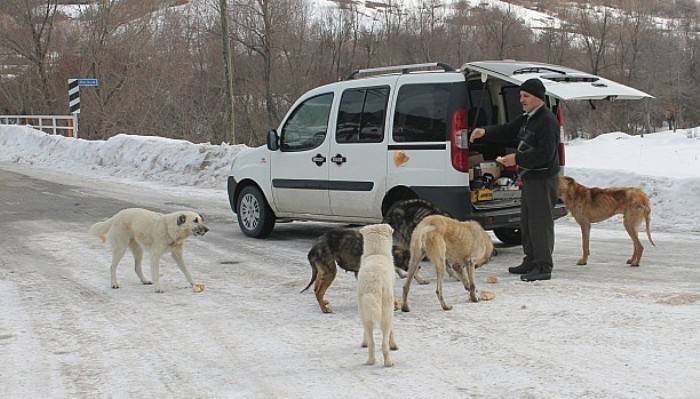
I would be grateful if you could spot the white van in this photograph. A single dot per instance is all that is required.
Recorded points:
(349, 150)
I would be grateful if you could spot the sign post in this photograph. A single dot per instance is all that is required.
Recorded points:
(74, 86)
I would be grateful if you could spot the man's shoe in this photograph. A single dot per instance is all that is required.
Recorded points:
(521, 269)
(536, 274)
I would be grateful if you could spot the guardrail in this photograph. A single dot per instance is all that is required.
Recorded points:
(64, 125)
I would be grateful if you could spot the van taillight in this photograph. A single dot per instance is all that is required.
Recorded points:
(459, 140)
(560, 119)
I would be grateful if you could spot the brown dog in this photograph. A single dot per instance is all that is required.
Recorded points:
(592, 205)
(464, 245)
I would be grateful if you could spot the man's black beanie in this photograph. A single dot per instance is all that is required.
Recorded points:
(533, 86)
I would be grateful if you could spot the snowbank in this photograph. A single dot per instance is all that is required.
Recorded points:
(665, 165)
(150, 158)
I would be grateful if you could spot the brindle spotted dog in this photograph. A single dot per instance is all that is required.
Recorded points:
(342, 247)
(404, 216)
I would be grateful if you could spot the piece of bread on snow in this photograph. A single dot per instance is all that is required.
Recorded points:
(198, 287)
(486, 295)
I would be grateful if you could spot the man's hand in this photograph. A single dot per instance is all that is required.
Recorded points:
(477, 134)
(508, 160)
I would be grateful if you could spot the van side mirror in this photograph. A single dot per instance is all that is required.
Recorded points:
(273, 140)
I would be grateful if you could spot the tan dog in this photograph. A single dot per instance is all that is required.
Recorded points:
(375, 289)
(593, 205)
(136, 229)
(464, 245)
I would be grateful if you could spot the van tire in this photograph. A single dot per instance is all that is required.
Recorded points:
(255, 217)
(510, 236)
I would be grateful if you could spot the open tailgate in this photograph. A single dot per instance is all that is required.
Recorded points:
(560, 82)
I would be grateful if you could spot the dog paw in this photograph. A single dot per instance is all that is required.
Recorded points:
(327, 309)
(388, 363)
(629, 261)
(370, 362)
(393, 347)
(474, 295)
(447, 307)
(115, 285)
(404, 308)
(581, 262)
(363, 345)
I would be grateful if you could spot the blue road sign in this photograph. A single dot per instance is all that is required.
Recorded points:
(88, 82)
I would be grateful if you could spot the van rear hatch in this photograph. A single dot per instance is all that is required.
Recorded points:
(563, 83)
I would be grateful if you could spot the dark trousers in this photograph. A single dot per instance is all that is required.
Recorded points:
(539, 196)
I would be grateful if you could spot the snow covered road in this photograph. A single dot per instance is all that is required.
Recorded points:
(604, 330)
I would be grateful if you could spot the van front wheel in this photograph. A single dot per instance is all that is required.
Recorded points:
(255, 218)
(509, 236)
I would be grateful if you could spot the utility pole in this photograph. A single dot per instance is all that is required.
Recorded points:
(230, 124)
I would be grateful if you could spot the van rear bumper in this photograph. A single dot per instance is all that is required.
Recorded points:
(456, 201)
(509, 218)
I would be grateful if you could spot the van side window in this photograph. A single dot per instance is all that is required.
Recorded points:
(423, 112)
(361, 115)
(307, 126)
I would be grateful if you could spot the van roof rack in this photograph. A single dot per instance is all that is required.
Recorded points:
(401, 69)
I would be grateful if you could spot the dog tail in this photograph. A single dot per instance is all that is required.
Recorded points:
(647, 217)
(314, 272)
(100, 229)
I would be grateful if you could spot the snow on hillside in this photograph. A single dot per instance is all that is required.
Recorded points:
(665, 165)
(532, 18)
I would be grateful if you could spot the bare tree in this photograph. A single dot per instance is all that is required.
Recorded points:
(502, 32)
(256, 24)
(230, 135)
(594, 29)
(27, 31)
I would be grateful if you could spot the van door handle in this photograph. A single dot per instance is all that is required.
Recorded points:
(339, 159)
(318, 159)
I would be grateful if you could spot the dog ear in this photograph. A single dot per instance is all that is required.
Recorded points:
(181, 220)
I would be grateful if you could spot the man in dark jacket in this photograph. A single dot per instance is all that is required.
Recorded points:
(535, 134)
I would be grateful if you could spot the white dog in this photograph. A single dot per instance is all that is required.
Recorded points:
(137, 228)
(375, 289)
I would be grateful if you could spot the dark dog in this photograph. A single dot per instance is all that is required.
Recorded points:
(343, 247)
(592, 205)
(405, 215)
